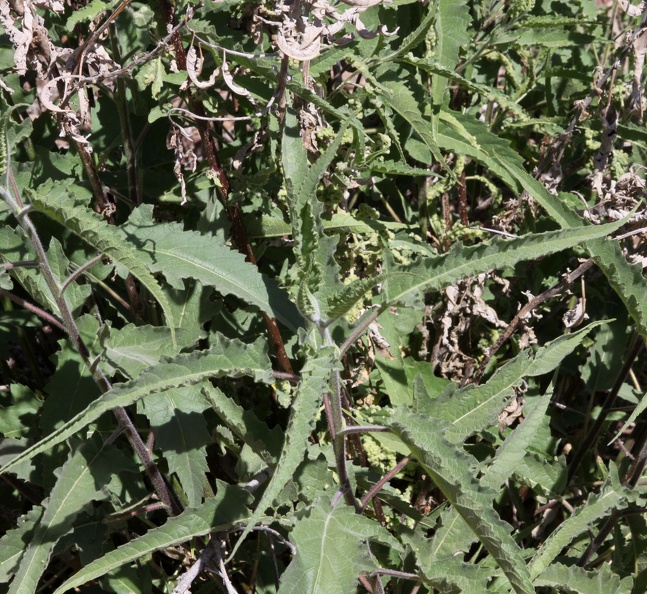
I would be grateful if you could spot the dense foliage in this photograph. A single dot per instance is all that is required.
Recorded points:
(318, 297)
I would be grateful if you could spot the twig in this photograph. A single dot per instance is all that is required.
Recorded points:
(363, 429)
(222, 570)
(526, 310)
(335, 415)
(20, 264)
(50, 319)
(274, 533)
(79, 271)
(403, 575)
(385, 479)
(207, 556)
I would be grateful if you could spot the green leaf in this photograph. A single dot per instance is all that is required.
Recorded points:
(293, 154)
(332, 550)
(133, 349)
(263, 441)
(452, 34)
(179, 254)
(12, 543)
(71, 388)
(303, 415)
(401, 100)
(338, 222)
(192, 307)
(474, 408)
(89, 12)
(612, 496)
(429, 274)
(80, 481)
(19, 418)
(626, 279)
(439, 559)
(552, 38)
(490, 93)
(513, 450)
(451, 470)
(57, 202)
(225, 358)
(496, 154)
(181, 435)
(415, 37)
(579, 581)
(217, 514)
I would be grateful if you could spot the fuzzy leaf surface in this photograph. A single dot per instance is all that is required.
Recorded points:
(181, 435)
(451, 25)
(474, 408)
(56, 201)
(12, 543)
(265, 442)
(451, 470)
(432, 274)
(612, 496)
(79, 482)
(579, 581)
(304, 411)
(180, 254)
(216, 514)
(332, 550)
(226, 357)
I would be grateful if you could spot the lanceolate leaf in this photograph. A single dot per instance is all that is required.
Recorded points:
(304, 411)
(332, 550)
(80, 481)
(57, 203)
(12, 543)
(179, 254)
(579, 581)
(451, 24)
(496, 154)
(513, 450)
(434, 273)
(132, 349)
(416, 37)
(226, 357)
(449, 467)
(491, 93)
(474, 408)
(613, 496)
(401, 100)
(431, 274)
(217, 514)
(342, 222)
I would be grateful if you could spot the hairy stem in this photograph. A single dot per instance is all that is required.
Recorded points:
(75, 336)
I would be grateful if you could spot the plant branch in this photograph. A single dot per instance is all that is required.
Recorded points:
(360, 327)
(385, 479)
(527, 309)
(75, 336)
(363, 429)
(41, 313)
(79, 271)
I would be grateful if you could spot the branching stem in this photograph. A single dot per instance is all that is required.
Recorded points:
(72, 331)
